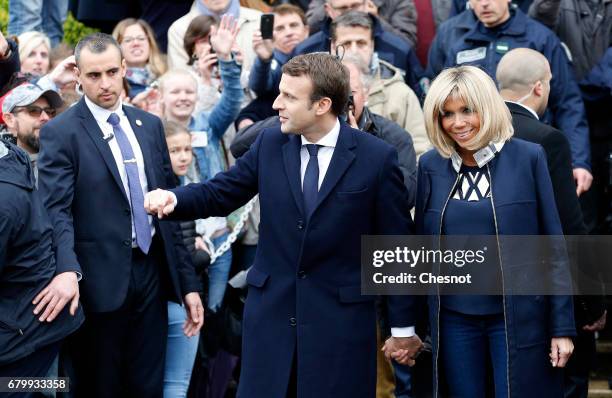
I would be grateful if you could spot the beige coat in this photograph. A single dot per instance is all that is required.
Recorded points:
(248, 22)
(393, 99)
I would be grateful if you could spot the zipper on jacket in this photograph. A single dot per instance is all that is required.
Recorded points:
(12, 328)
(438, 289)
(501, 268)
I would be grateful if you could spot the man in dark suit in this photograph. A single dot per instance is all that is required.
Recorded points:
(97, 160)
(524, 78)
(307, 329)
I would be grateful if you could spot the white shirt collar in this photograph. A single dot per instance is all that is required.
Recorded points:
(101, 114)
(482, 156)
(526, 107)
(329, 140)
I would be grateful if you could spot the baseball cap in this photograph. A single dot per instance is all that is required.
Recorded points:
(28, 93)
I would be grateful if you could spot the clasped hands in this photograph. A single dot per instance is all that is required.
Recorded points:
(159, 203)
(404, 350)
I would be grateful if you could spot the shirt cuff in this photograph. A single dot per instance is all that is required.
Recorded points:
(403, 332)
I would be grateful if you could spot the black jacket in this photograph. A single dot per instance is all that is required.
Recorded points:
(27, 261)
(385, 129)
(558, 156)
(559, 159)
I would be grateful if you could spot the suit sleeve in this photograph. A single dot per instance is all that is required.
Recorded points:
(561, 316)
(186, 270)
(392, 215)
(559, 160)
(56, 179)
(224, 193)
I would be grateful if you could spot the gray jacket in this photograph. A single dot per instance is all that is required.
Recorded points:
(397, 16)
(586, 30)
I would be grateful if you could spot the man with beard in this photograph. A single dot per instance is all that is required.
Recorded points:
(25, 110)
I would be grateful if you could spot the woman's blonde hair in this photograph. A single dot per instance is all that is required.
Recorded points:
(474, 87)
(28, 41)
(157, 61)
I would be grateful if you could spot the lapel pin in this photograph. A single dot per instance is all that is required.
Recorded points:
(138, 122)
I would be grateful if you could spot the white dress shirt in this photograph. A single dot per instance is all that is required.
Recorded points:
(101, 115)
(327, 144)
(526, 107)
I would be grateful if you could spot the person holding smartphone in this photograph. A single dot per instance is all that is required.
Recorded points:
(289, 28)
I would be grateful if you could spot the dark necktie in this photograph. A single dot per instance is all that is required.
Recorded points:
(141, 220)
(311, 179)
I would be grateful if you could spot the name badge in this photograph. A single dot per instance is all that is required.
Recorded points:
(199, 139)
(471, 55)
(502, 47)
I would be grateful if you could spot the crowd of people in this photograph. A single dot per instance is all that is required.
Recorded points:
(184, 196)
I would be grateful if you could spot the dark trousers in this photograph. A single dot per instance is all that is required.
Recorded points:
(468, 344)
(36, 364)
(122, 353)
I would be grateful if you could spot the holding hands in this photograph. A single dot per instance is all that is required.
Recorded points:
(403, 350)
(159, 203)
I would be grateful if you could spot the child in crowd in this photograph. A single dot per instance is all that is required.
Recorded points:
(178, 89)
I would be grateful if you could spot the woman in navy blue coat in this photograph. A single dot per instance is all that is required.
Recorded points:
(480, 181)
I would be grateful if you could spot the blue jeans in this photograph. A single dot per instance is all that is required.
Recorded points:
(46, 16)
(180, 354)
(465, 342)
(218, 274)
(403, 380)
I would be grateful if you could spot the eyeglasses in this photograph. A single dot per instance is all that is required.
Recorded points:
(36, 111)
(129, 39)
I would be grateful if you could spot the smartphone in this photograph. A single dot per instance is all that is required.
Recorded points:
(350, 106)
(266, 26)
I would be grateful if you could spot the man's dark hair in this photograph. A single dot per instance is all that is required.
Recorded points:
(328, 76)
(96, 43)
(286, 9)
(352, 19)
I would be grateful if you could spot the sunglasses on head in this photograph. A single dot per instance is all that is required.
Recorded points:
(36, 111)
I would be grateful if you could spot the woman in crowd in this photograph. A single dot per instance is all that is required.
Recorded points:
(480, 181)
(144, 60)
(178, 90)
(34, 48)
(203, 61)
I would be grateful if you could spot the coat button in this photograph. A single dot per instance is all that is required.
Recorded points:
(300, 224)
(301, 274)
(127, 242)
(292, 321)
(126, 211)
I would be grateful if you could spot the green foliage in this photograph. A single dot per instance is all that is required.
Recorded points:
(4, 15)
(73, 29)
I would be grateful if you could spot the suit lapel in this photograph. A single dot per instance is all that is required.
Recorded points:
(143, 141)
(96, 135)
(291, 158)
(341, 160)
